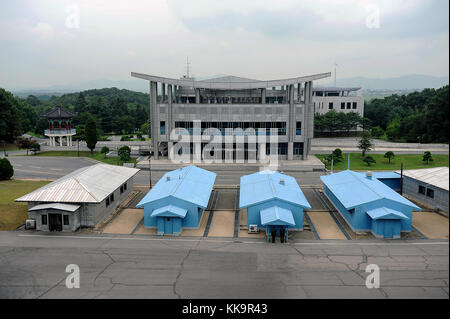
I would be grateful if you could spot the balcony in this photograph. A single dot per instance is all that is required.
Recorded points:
(60, 132)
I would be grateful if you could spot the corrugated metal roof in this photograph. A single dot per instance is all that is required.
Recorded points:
(90, 184)
(190, 183)
(169, 210)
(57, 206)
(266, 185)
(353, 189)
(436, 176)
(276, 216)
(384, 175)
(386, 213)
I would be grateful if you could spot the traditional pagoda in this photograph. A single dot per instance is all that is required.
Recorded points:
(59, 126)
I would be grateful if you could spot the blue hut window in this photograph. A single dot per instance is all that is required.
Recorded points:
(351, 211)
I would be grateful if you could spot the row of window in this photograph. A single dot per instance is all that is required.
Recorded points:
(44, 219)
(350, 105)
(426, 191)
(222, 126)
(110, 199)
(280, 149)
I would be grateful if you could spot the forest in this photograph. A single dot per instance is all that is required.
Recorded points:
(115, 111)
(415, 117)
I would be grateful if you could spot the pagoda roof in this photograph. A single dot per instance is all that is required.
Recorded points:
(59, 113)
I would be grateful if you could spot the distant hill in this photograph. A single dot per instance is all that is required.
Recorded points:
(406, 82)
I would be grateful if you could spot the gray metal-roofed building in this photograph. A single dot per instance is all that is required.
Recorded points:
(428, 186)
(229, 103)
(82, 198)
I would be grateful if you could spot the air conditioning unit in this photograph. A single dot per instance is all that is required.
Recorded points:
(30, 224)
(253, 229)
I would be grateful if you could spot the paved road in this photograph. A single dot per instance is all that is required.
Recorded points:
(150, 267)
(55, 167)
(37, 167)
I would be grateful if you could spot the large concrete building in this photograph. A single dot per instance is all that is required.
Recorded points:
(283, 107)
(82, 198)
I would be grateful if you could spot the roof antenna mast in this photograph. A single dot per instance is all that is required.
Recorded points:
(335, 65)
(187, 67)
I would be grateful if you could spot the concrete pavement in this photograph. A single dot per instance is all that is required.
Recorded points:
(147, 267)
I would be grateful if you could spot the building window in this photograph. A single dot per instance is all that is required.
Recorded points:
(354, 105)
(351, 211)
(66, 219)
(162, 128)
(430, 193)
(121, 189)
(349, 105)
(107, 201)
(44, 219)
(421, 190)
(342, 105)
(125, 186)
(330, 105)
(111, 198)
(298, 148)
(298, 129)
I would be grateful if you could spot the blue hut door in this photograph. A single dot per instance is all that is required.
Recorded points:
(168, 225)
(389, 229)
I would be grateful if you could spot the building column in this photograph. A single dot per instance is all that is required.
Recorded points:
(308, 119)
(154, 117)
(197, 96)
(60, 141)
(169, 111)
(263, 96)
(299, 92)
(290, 90)
(163, 92)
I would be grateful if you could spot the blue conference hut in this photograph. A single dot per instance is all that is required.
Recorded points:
(273, 201)
(368, 204)
(178, 200)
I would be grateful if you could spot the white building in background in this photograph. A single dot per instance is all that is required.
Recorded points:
(340, 99)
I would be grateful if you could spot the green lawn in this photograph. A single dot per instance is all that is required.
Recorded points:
(410, 161)
(13, 214)
(95, 155)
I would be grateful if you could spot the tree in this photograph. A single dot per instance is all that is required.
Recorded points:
(35, 147)
(80, 105)
(6, 169)
(9, 117)
(365, 144)
(91, 133)
(389, 155)
(427, 157)
(369, 160)
(25, 143)
(105, 150)
(124, 153)
(376, 131)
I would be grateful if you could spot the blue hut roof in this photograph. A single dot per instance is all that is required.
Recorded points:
(169, 211)
(386, 213)
(266, 185)
(275, 215)
(190, 183)
(353, 189)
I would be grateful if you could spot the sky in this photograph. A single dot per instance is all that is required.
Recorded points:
(54, 42)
